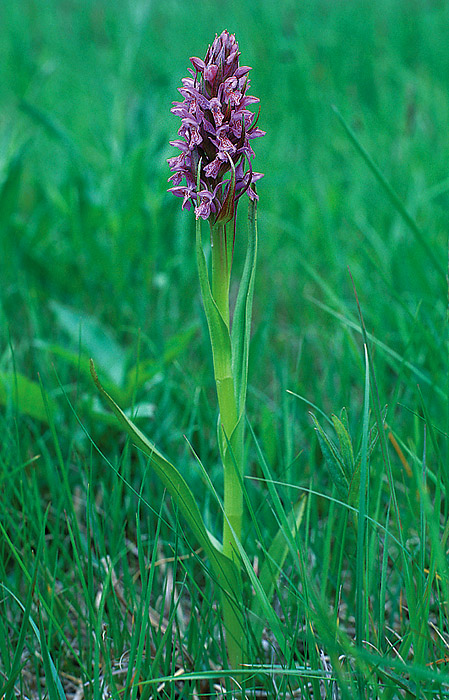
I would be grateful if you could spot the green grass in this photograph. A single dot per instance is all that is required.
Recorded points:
(103, 590)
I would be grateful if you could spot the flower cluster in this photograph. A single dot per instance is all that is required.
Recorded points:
(216, 130)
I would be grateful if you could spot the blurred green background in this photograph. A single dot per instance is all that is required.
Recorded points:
(87, 227)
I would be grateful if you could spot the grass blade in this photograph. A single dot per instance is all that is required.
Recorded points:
(16, 666)
(53, 683)
(394, 198)
(360, 620)
(274, 561)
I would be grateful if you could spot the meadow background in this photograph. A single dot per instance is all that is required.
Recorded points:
(97, 260)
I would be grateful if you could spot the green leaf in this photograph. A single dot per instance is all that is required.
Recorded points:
(333, 461)
(265, 609)
(241, 324)
(344, 418)
(88, 334)
(25, 395)
(218, 330)
(224, 569)
(76, 359)
(346, 451)
(354, 487)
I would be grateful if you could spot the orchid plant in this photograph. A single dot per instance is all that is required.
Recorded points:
(212, 172)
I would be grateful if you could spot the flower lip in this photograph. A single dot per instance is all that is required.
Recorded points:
(215, 133)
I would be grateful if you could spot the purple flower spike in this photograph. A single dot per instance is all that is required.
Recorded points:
(216, 128)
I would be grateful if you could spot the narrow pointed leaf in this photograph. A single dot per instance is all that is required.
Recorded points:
(265, 609)
(232, 598)
(344, 418)
(25, 395)
(332, 459)
(354, 486)
(346, 451)
(219, 333)
(241, 325)
(97, 341)
(224, 569)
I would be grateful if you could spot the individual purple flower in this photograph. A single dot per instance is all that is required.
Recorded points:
(215, 133)
(205, 199)
(185, 191)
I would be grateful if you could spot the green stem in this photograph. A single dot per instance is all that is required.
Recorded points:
(232, 437)
(230, 359)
